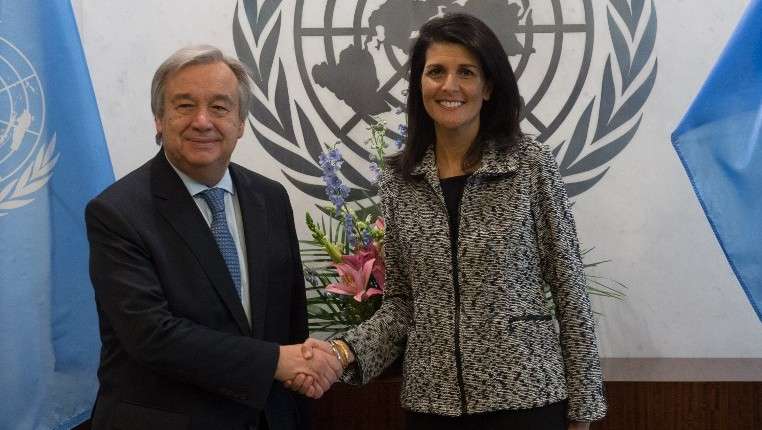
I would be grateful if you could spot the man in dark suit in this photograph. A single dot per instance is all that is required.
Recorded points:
(197, 274)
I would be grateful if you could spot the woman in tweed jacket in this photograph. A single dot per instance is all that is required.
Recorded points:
(477, 224)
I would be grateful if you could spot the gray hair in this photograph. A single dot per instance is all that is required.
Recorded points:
(199, 54)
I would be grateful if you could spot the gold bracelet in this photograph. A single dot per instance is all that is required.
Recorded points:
(336, 352)
(341, 353)
(344, 350)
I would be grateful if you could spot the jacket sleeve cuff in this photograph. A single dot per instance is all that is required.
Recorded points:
(588, 408)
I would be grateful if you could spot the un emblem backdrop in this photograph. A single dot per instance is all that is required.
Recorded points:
(604, 84)
(350, 60)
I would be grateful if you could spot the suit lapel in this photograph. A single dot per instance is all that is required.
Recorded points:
(179, 209)
(255, 222)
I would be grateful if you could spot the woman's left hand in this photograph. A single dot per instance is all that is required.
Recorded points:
(578, 425)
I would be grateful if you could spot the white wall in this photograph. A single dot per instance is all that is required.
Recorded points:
(682, 301)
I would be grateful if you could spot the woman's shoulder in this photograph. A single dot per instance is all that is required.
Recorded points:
(391, 177)
(538, 159)
(525, 150)
(528, 146)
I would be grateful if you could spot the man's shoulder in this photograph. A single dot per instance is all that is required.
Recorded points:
(128, 197)
(132, 185)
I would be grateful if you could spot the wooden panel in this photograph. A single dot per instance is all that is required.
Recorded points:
(632, 406)
(683, 405)
(374, 406)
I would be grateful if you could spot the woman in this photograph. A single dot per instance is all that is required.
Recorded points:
(477, 223)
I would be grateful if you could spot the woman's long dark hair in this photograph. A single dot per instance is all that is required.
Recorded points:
(500, 115)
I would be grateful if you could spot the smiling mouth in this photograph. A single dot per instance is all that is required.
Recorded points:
(451, 104)
(203, 141)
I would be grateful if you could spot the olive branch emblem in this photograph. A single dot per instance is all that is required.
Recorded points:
(35, 176)
(632, 57)
(302, 158)
(591, 146)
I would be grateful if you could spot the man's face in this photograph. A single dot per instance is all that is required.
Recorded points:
(200, 124)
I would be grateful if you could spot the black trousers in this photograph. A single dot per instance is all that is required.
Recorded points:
(550, 417)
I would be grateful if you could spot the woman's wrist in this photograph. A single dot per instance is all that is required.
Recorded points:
(343, 352)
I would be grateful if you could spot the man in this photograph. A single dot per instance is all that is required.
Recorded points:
(196, 271)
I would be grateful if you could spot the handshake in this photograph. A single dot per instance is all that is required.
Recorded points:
(312, 367)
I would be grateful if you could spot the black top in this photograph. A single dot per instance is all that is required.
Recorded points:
(452, 188)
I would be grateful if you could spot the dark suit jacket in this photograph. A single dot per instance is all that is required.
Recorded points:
(178, 352)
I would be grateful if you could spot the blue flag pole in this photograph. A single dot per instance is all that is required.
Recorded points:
(719, 142)
(53, 159)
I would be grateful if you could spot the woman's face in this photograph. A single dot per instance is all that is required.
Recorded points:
(453, 88)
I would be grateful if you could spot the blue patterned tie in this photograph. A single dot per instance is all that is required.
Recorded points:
(215, 198)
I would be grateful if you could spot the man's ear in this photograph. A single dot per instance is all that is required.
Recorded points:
(157, 121)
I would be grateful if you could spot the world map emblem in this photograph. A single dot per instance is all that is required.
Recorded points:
(26, 159)
(351, 60)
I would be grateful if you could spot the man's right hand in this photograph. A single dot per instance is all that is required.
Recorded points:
(313, 369)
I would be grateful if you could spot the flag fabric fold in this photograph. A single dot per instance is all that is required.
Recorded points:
(53, 159)
(719, 142)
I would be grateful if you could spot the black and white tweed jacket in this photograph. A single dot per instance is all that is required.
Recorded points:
(493, 344)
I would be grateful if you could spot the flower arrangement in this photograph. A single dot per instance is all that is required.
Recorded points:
(344, 263)
(344, 260)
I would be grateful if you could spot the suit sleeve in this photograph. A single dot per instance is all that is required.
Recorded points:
(133, 307)
(381, 339)
(299, 330)
(298, 315)
(563, 271)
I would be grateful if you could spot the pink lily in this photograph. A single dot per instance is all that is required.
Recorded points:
(380, 224)
(378, 267)
(354, 272)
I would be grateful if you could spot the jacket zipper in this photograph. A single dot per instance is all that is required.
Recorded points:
(458, 357)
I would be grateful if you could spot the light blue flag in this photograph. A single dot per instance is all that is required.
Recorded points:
(720, 144)
(53, 159)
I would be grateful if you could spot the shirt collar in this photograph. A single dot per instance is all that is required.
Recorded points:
(493, 163)
(194, 187)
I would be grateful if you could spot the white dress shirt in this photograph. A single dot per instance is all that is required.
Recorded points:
(234, 220)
